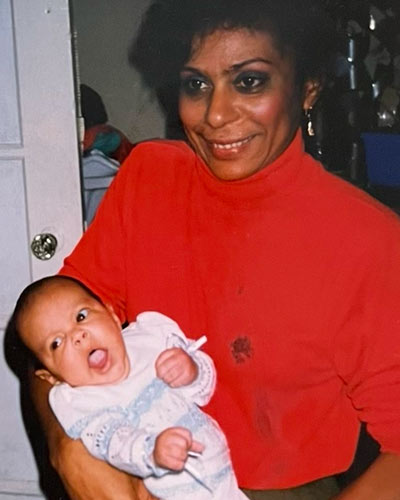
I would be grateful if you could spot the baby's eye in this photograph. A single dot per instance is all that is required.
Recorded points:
(56, 343)
(82, 314)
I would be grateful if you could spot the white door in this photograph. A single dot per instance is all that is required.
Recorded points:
(39, 186)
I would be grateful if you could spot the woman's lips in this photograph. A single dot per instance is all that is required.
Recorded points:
(228, 150)
(230, 145)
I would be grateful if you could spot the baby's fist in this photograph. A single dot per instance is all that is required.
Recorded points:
(172, 446)
(176, 368)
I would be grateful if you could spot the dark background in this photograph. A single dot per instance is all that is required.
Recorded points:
(357, 119)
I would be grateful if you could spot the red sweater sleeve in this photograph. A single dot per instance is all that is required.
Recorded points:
(368, 348)
(99, 259)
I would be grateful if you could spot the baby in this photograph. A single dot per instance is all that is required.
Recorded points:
(132, 397)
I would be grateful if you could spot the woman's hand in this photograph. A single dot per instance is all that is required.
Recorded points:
(172, 446)
(87, 478)
(380, 481)
(176, 368)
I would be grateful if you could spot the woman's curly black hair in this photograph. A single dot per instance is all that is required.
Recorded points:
(300, 28)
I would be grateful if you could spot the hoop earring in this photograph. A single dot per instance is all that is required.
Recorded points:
(310, 128)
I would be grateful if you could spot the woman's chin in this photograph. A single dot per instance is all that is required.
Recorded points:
(232, 171)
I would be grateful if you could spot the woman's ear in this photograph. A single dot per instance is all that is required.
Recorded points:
(44, 374)
(312, 89)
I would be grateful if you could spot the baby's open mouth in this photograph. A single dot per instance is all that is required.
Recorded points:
(98, 358)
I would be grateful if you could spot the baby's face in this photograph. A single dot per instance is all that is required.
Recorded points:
(76, 337)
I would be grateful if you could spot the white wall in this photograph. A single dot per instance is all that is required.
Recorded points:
(105, 29)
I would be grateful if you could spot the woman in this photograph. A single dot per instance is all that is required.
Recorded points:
(293, 274)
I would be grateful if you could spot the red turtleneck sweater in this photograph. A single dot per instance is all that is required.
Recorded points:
(293, 275)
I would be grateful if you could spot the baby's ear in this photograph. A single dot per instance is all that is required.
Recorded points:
(47, 376)
(110, 309)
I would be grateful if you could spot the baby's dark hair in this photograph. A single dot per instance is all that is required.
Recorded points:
(21, 355)
(163, 45)
(34, 289)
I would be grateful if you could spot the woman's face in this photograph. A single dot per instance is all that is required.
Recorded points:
(238, 102)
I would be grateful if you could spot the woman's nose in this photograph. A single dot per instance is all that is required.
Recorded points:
(221, 108)
(78, 337)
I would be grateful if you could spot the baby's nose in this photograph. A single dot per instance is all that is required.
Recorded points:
(79, 337)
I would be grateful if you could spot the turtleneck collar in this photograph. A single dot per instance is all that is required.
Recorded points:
(274, 178)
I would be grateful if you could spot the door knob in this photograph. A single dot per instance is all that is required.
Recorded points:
(44, 246)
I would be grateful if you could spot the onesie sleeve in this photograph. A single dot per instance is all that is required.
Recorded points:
(131, 450)
(111, 434)
(367, 350)
(120, 442)
(170, 335)
(200, 390)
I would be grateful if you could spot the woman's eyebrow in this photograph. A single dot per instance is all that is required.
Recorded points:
(238, 66)
(189, 69)
(235, 67)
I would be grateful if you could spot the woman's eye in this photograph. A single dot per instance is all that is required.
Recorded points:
(250, 83)
(56, 343)
(82, 314)
(193, 85)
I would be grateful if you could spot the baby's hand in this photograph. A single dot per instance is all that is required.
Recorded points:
(172, 446)
(176, 368)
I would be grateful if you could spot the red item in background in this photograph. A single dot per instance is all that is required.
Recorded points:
(122, 150)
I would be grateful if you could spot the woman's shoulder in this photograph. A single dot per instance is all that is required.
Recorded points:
(339, 202)
(156, 170)
(360, 201)
(162, 148)
(158, 160)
